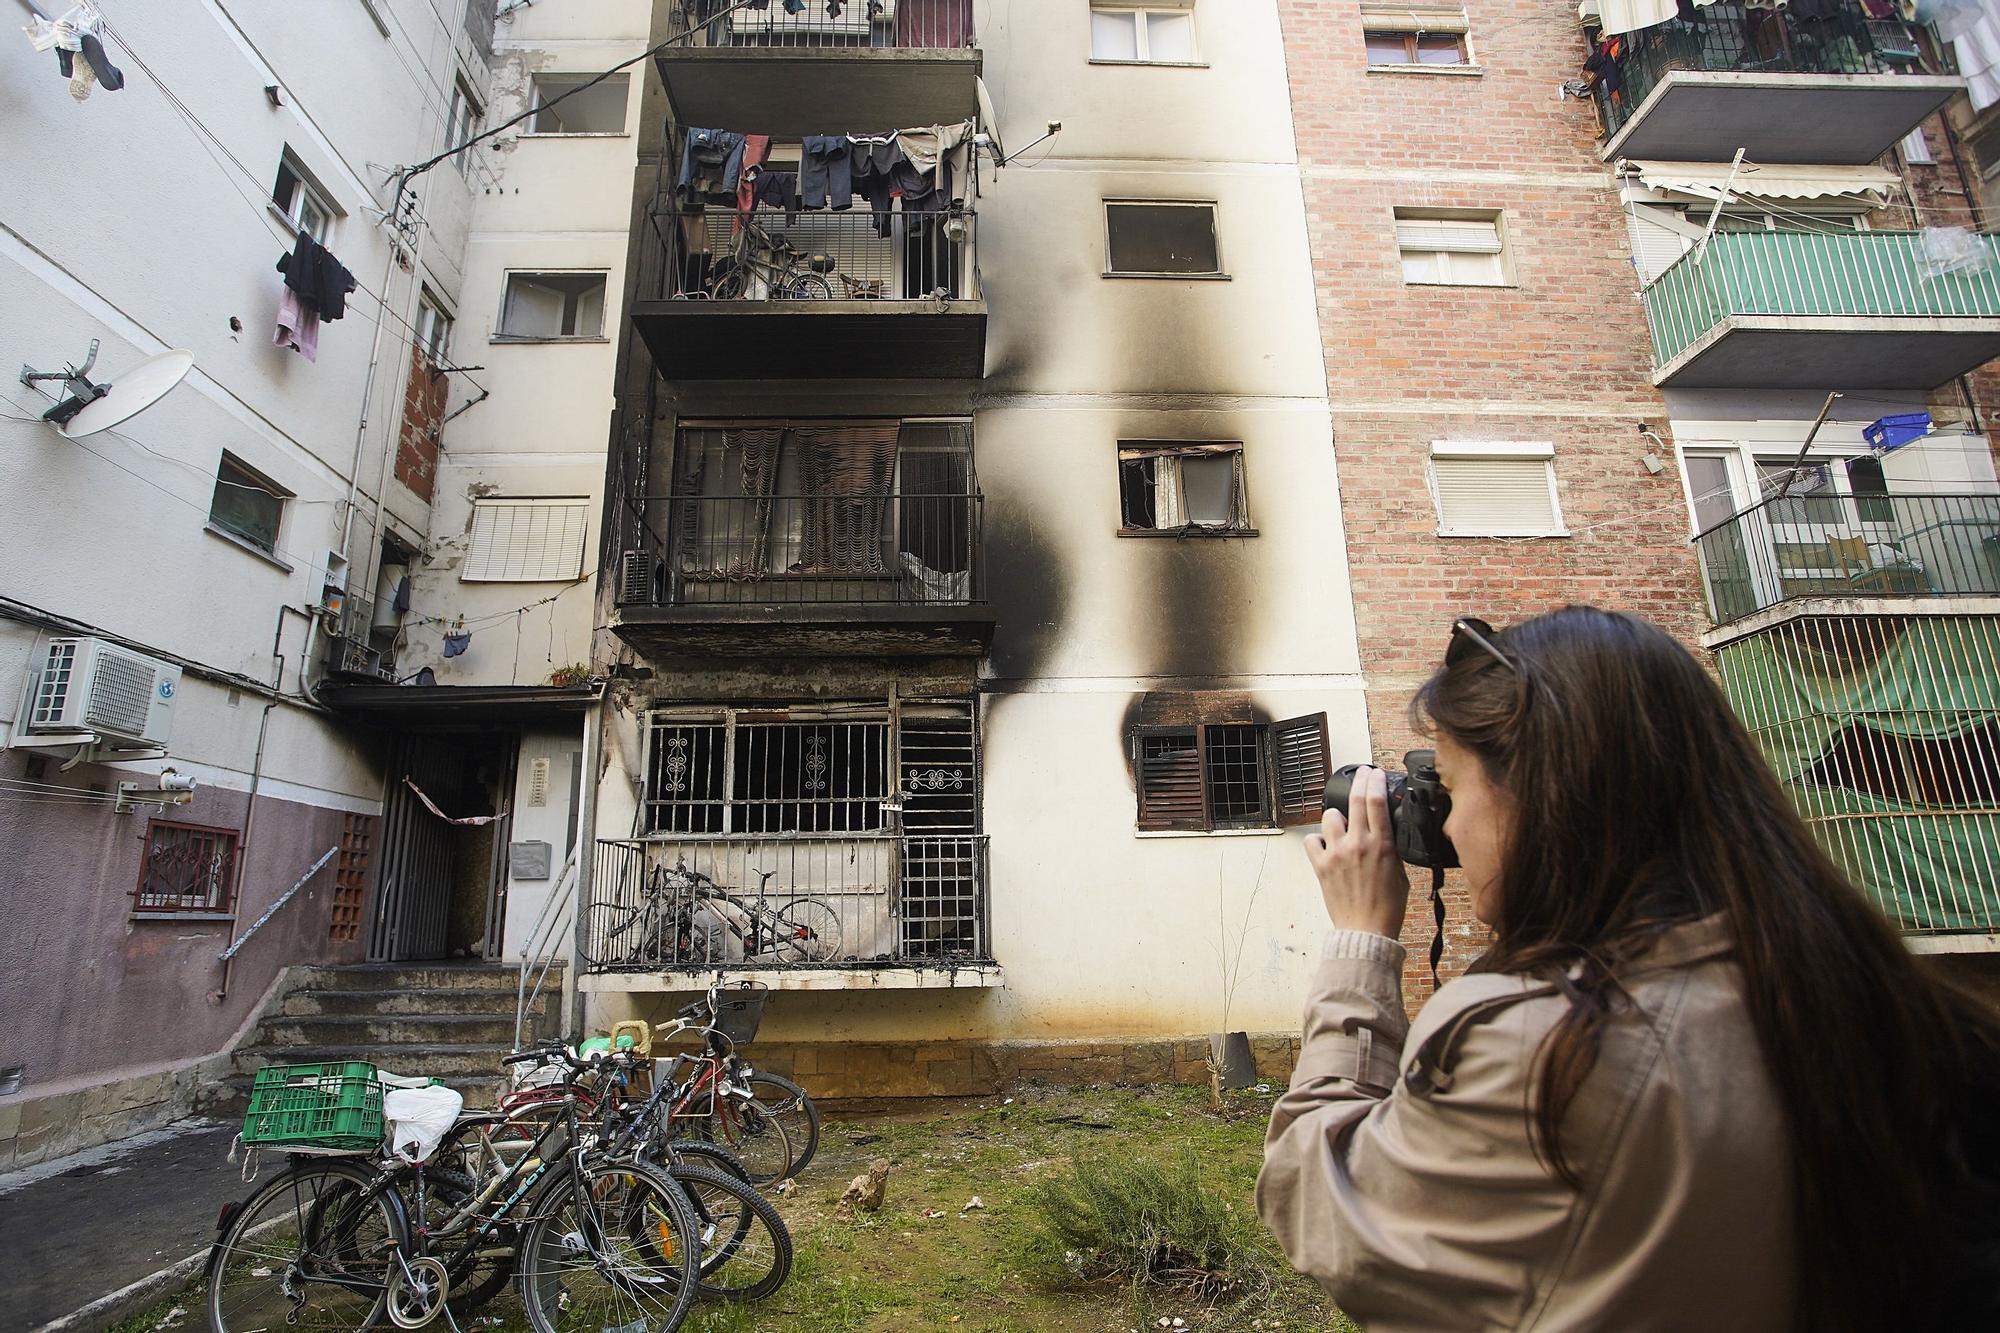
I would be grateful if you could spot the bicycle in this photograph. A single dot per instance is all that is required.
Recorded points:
(765, 1118)
(687, 917)
(786, 272)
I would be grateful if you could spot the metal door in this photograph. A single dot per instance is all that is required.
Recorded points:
(413, 895)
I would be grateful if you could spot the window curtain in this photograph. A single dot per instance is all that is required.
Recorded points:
(724, 517)
(936, 24)
(845, 473)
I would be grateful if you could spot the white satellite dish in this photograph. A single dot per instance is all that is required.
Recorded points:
(92, 407)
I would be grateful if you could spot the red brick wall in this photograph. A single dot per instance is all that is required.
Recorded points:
(1942, 200)
(423, 421)
(1562, 357)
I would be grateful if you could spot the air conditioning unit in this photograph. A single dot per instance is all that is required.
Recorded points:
(94, 687)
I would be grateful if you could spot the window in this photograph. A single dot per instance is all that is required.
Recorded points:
(1710, 490)
(1161, 239)
(536, 540)
(1455, 251)
(1495, 490)
(301, 199)
(433, 328)
(1158, 36)
(1182, 489)
(597, 109)
(1809, 222)
(1231, 774)
(187, 868)
(1986, 154)
(462, 122)
(553, 305)
(1414, 37)
(246, 505)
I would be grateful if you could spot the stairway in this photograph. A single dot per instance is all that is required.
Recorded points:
(449, 1021)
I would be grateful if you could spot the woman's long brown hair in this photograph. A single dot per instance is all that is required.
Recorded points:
(1639, 799)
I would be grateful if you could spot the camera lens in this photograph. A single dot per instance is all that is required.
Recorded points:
(1417, 808)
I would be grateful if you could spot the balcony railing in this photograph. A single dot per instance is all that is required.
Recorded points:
(772, 255)
(787, 901)
(1882, 274)
(1733, 37)
(1867, 545)
(890, 549)
(837, 24)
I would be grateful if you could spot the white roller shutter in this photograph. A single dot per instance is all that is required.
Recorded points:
(1469, 236)
(526, 540)
(1655, 244)
(1495, 491)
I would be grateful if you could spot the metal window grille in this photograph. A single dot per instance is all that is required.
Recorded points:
(187, 868)
(1237, 790)
(750, 774)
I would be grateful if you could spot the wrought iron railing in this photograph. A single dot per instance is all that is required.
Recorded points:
(1732, 36)
(1886, 274)
(830, 24)
(884, 549)
(775, 254)
(787, 901)
(1870, 545)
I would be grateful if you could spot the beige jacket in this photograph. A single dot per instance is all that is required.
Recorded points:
(1428, 1210)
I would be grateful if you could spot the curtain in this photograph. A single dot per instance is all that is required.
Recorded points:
(845, 473)
(936, 24)
(726, 485)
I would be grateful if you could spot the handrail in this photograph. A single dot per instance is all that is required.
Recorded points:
(272, 910)
(540, 955)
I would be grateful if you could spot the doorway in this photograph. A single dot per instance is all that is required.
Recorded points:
(445, 829)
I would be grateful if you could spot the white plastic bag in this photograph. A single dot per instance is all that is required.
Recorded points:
(418, 1119)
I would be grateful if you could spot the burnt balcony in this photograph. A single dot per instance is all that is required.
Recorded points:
(1827, 545)
(887, 573)
(1837, 89)
(1866, 310)
(793, 67)
(771, 294)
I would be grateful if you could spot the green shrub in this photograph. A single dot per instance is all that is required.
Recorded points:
(1147, 1222)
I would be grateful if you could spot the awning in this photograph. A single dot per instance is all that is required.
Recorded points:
(1860, 187)
(1616, 16)
(427, 707)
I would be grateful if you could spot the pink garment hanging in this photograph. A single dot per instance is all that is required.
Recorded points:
(298, 327)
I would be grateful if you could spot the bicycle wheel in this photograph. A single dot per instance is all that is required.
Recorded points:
(759, 1141)
(700, 1152)
(808, 932)
(746, 1250)
(611, 1249)
(312, 1250)
(790, 1106)
(808, 287)
(484, 1273)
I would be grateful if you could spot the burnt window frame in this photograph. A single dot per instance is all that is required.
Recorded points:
(221, 906)
(1220, 273)
(1140, 451)
(1286, 748)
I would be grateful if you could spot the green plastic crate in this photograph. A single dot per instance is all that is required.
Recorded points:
(334, 1107)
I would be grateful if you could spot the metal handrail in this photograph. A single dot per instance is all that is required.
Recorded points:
(272, 910)
(542, 952)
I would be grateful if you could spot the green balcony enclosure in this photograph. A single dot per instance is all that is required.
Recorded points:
(1861, 310)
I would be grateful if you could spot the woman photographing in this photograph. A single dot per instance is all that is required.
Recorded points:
(1696, 1082)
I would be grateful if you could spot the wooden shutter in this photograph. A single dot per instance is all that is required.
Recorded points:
(1303, 767)
(1167, 763)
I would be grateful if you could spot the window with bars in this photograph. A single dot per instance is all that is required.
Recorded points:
(186, 869)
(1230, 775)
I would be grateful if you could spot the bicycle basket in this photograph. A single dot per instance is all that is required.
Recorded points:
(739, 1009)
(333, 1107)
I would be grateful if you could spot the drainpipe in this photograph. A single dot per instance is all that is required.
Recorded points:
(586, 861)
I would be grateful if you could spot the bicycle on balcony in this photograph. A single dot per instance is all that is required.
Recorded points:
(763, 265)
(687, 918)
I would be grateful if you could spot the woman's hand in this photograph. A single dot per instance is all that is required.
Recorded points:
(1360, 876)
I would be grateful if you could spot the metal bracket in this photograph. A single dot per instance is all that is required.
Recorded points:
(173, 790)
(76, 383)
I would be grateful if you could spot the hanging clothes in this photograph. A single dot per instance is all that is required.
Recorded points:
(1601, 70)
(756, 147)
(321, 281)
(770, 189)
(298, 327)
(80, 31)
(1621, 16)
(711, 162)
(881, 170)
(826, 172)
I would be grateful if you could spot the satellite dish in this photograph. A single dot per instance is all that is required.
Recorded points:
(92, 407)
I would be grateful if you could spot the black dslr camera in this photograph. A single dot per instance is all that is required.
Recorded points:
(1417, 809)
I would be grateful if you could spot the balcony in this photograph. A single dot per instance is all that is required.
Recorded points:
(886, 573)
(1871, 310)
(793, 67)
(811, 295)
(1851, 546)
(802, 910)
(1840, 90)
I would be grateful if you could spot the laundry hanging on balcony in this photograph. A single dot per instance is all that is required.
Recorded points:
(1620, 16)
(79, 32)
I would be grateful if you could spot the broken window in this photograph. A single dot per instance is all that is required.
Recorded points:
(1223, 775)
(1161, 239)
(579, 104)
(1182, 488)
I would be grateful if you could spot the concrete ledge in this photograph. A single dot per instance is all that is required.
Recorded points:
(38, 1128)
(970, 976)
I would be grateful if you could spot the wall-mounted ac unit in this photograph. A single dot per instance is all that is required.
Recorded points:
(94, 687)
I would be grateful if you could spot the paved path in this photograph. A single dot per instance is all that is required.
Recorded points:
(80, 1228)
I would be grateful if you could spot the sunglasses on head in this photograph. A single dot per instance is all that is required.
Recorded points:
(1469, 635)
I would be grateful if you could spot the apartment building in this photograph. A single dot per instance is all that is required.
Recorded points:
(973, 549)
(323, 576)
(1585, 292)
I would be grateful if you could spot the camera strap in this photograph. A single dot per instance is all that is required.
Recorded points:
(1437, 914)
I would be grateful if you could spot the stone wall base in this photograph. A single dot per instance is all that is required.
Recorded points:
(981, 1068)
(36, 1128)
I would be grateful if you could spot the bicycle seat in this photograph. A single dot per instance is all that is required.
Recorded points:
(822, 263)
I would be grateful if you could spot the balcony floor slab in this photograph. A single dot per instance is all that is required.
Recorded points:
(735, 340)
(1833, 352)
(1822, 119)
(792, 90)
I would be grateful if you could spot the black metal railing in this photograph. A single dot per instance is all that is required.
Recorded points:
(787, 901)
(1868, 545)
(889, 548)
(828, 24)
(1732, 36)
(857, 254)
